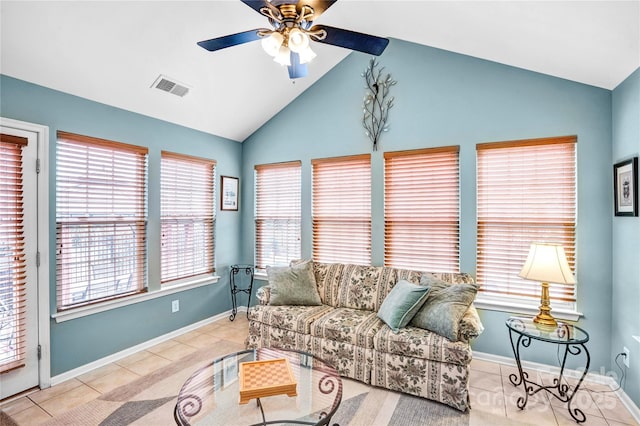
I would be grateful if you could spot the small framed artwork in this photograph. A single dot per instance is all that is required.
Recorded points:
(229, 193)
(625, 187)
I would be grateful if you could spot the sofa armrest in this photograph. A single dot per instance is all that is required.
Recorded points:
(470, 325)
(263, 294)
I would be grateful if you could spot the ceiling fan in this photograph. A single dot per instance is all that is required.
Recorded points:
(288, 40)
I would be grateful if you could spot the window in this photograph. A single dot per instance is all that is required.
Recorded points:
(277, 213)
(187, 216)
(100, 219)
(526, 193)
(13, 263)
(422, 209)
(342, 210)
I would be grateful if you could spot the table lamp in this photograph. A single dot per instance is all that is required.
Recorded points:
(546, 263)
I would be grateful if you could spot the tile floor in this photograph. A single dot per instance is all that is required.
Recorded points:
(491, 391)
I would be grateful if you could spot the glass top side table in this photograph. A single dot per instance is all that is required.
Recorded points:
(571, 340)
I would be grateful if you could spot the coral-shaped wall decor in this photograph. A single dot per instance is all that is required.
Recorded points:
(376, 106)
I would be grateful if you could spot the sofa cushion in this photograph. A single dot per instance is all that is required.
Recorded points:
(294, 285)
(402, 303)
(362, 287)
(328, 276)
(294, 318)
(354, 326)
(420, 343)
(445, 306)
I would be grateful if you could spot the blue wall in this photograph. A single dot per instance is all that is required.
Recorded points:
(626, 237)
(80, 341)
(443, 98)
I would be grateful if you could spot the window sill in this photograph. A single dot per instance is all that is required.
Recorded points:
(118, 303)
(516, 308)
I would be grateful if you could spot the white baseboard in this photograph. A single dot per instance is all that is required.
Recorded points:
(67, 375)
(544, 368)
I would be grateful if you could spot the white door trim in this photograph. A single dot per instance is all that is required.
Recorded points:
(43, 244)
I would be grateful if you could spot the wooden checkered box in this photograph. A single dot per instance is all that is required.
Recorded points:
(266, 378)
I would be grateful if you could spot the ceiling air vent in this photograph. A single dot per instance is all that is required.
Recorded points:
(170, 85)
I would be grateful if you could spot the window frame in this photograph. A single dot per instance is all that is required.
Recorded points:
(75, 145)
(176, 165)
(270, 210)
(328, 220)
(431, 220)
(521, 303)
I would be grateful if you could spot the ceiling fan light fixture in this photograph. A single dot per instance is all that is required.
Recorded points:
(307, 55)
(284, 56)
(272, 43)
(298, 40)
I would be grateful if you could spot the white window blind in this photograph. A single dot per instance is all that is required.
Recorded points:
(342, 209)
(526, 193)
(277, 213)
(187, 216)
(422, 209)
(100, 219)
(13, 266)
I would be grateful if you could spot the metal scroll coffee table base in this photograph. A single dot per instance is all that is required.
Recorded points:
(570, 339)
(212, 394)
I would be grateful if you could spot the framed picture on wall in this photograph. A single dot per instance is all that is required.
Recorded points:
(625, 187)
(229, 193)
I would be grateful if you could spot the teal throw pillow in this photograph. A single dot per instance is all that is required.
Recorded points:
(295, 285)
(445, 306)
(401, 304)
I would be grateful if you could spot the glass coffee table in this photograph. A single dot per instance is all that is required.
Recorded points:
(212, 394)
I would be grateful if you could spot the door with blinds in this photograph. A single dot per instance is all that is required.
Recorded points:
(19, 369)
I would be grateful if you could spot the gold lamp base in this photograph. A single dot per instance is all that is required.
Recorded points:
(544, 317)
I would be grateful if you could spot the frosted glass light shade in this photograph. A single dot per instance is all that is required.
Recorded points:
(284, 56)
(547, 263)
(307, 55)
(272, 43)
(298, 40)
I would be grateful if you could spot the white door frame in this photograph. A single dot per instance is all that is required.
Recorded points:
(42, 132)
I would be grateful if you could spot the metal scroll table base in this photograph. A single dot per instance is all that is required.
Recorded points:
(233, 274)
(558, 389)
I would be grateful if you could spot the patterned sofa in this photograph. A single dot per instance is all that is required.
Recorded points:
(346, 332)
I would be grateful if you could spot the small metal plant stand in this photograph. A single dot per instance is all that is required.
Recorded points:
(233, 275)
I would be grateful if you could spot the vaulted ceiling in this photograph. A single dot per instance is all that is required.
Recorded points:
(112, 51)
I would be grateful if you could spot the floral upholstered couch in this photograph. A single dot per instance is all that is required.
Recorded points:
(344, 329)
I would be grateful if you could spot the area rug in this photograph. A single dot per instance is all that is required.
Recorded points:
(150, 401)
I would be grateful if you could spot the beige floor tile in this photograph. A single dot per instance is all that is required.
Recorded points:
(201, 340)
(31, 416)
(17, 405)
(176, 351)
(183, 338)
(148, 364)
(133, 358)
(564, 418)
(53, 391)
(491, 402)
(161, 347)
(581, 400)
(486, 366)
(117, 378)
(68, 400)
(613, 409)
(535, 411)
(98, 372)
(614, 423)
(486, 381)
(210, 328)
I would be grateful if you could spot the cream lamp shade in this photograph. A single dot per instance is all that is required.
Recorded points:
(546, 263)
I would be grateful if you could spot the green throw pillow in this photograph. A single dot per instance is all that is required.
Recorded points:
(401, 304)
(445, 306)
(295, 285)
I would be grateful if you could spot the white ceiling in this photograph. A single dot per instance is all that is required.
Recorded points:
(112, 51)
